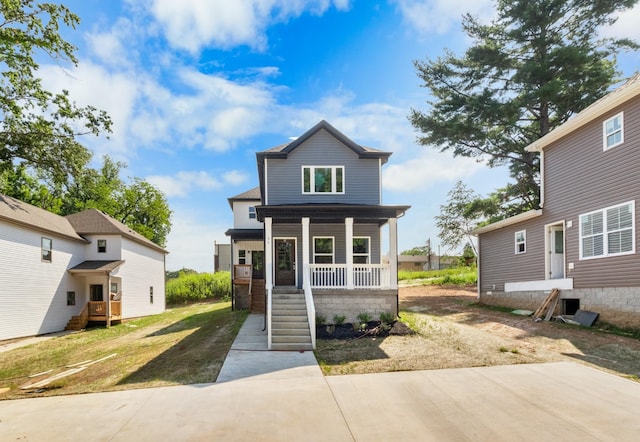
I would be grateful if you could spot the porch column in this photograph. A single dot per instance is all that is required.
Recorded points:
(268, 254)
(393, 253)
(348, 239)
(305, 248)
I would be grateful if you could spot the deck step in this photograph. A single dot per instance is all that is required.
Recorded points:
(289, 324)
(290, 331)
(289, 318)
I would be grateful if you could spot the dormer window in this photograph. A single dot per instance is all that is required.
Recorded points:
(252, 212)
(613, 131)
(322, 179)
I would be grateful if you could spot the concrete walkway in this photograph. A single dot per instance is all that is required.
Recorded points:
(560, 401)
(249, 357)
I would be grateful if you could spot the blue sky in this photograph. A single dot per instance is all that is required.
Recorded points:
(196, 87)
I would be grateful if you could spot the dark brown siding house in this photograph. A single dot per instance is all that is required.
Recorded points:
(583, 240)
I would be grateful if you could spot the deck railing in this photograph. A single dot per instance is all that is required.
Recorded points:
(365, 276)
(99, 309)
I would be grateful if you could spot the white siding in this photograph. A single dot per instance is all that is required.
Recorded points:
(143, 268)
(241, 218)
(33, 294)
(249, 246)
(114, 248)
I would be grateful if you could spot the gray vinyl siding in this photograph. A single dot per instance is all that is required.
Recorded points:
(284, 176)
(499, 262)
(325, 230)
(579, 177)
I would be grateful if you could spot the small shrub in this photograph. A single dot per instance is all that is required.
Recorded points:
(320, 319)
(363, 318)
(339, 319)
(387, 318)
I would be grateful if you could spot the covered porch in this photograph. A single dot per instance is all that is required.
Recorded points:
(103, 305)
(341, 245)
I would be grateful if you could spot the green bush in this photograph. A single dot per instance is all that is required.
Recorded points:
(199, 287)
(387, 318)
(339, 319)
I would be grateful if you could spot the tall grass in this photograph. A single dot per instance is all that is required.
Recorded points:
(198, 287)
(454, 276)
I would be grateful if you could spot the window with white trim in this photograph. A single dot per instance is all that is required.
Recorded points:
(46, 249)
(102, 246)
(242, 256)
(521, 241)
(613, 131)
(608, 232)
(361, 249)
(322, 179)
(323, 250)
(252, 212)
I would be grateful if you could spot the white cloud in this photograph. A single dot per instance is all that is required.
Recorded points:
(184, 182)
(626, 26)
(190, 242)
(194, 24)
(439, 16)
(93, 85)
(427, 169)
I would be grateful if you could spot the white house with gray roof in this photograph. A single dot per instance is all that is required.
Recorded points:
(58, 272)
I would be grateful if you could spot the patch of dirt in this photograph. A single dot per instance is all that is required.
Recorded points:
(453, 331)
(373, 328)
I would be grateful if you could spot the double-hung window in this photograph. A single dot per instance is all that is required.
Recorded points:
(361, 250)
(322, 179)
(102, 246)
(252, 212)
(323, 250)
(613, 131)
(46, 249)
(521, 242)
(608, 232)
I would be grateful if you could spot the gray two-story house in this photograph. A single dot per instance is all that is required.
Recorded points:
(321, 224)
(582, 240)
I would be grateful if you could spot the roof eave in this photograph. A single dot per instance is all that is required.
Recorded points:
(525, 216)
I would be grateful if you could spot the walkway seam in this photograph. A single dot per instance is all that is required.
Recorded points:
(344, 418)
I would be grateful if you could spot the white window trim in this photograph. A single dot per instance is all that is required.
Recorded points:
(517, 243)
(252, 212)
(368, 254)
(334, 182)
(333, 248)
(605, 232)
(42, 249)
(605, 134)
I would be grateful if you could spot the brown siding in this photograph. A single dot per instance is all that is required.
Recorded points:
(499, 262)
(581, 177)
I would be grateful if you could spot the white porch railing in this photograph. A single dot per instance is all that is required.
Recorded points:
(311, 308)
(365, 276)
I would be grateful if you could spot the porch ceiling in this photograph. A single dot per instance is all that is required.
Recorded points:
(330, 213)
(96, 266)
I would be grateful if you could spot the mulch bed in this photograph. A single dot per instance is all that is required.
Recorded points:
(373, 328)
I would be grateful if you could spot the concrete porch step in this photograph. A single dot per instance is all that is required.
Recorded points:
(290, 331)
(297, 346)
(289, 318)
(291, 340)
(289, 312)
(289, 325)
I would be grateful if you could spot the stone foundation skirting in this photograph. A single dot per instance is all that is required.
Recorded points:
(351, 303)
(619, 306)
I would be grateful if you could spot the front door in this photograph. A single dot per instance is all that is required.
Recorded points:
(95, 292)
(556, 252)
(285, 262)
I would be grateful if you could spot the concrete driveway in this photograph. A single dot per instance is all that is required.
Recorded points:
(560, 401)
